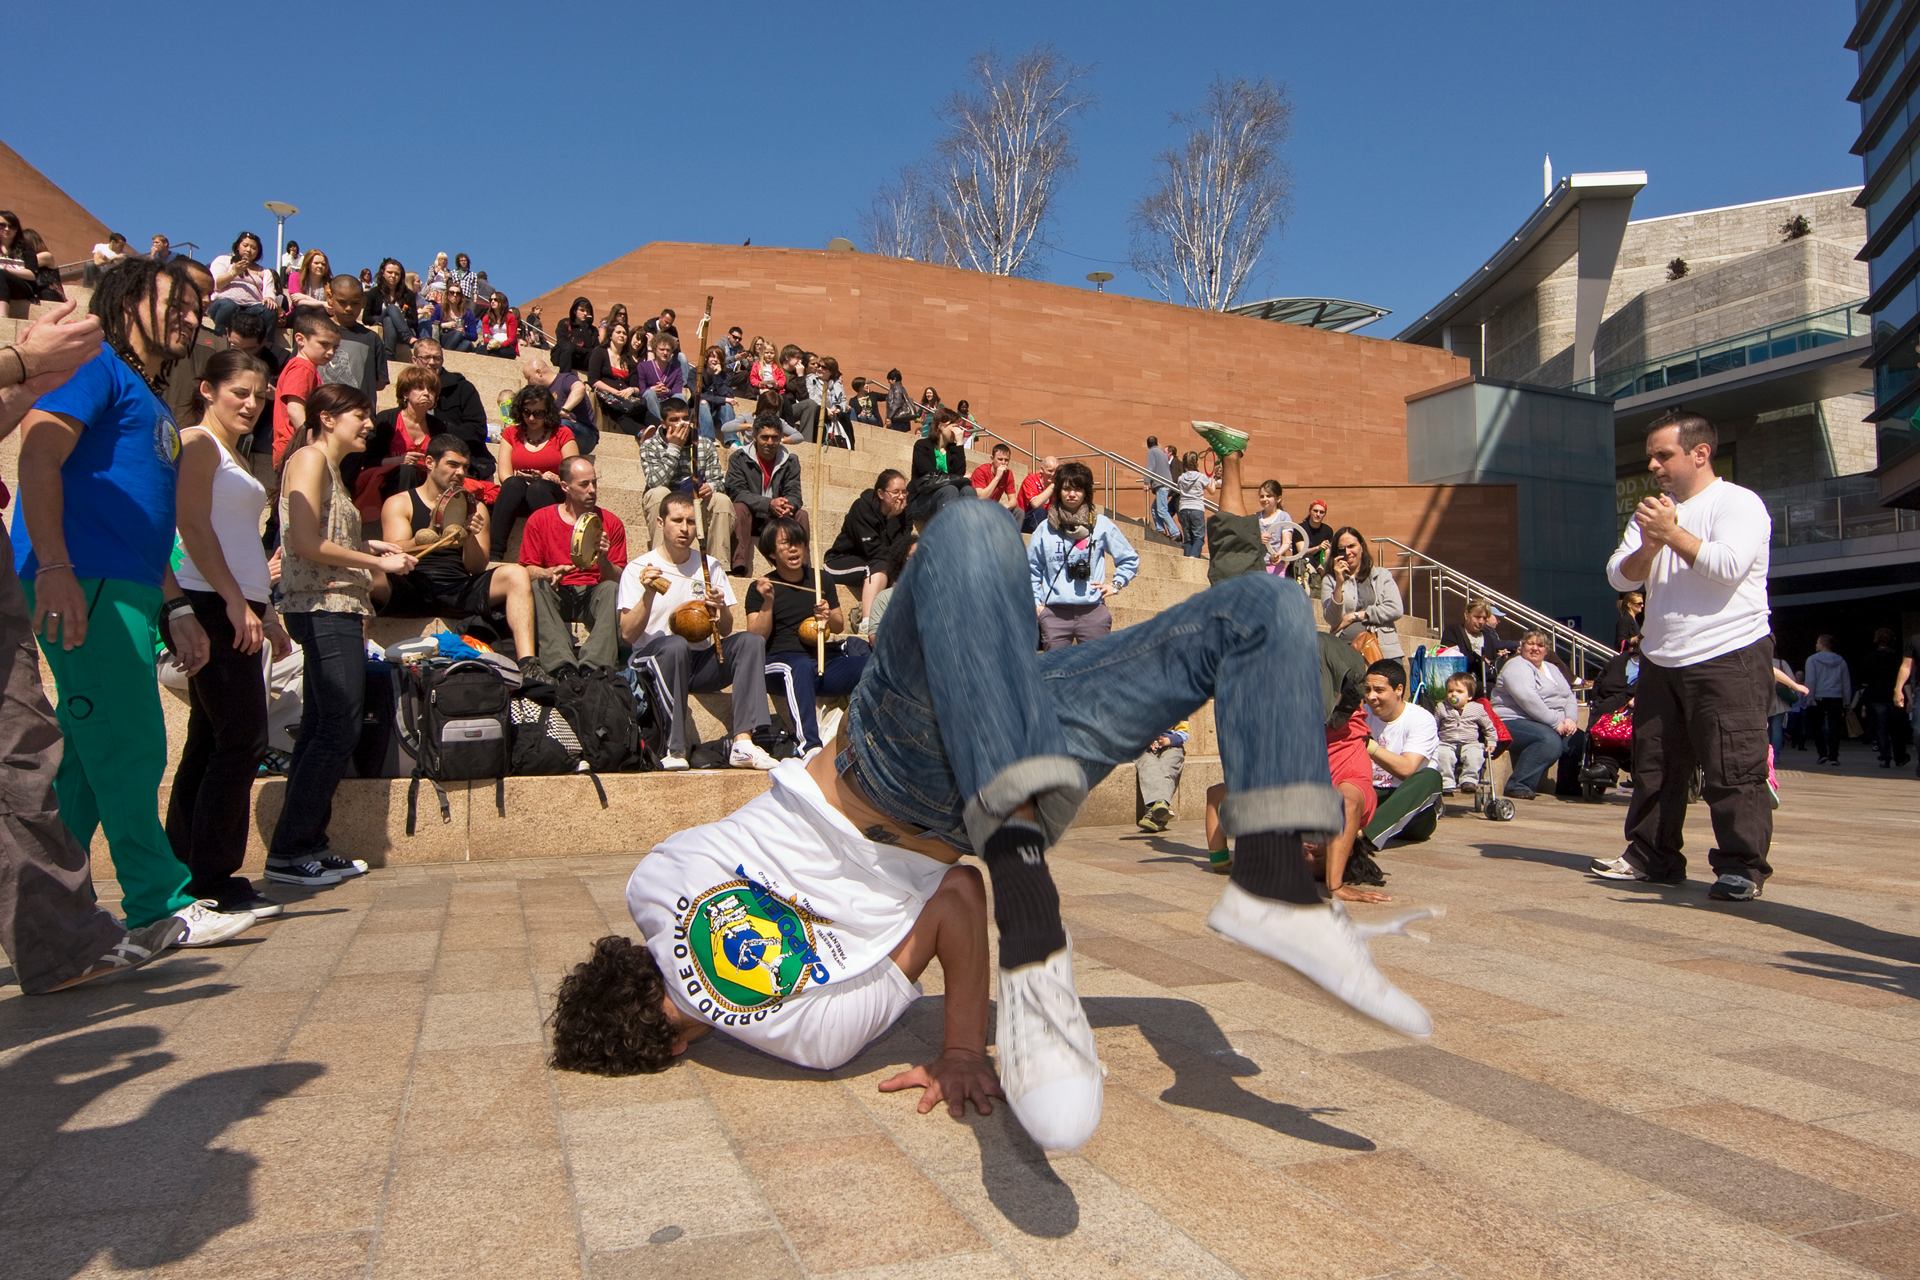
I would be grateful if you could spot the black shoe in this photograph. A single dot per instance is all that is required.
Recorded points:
(263, 908)
(1518, 793)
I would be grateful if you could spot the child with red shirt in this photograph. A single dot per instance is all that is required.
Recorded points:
(315, 338)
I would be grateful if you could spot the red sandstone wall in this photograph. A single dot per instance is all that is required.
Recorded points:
(1325, 408)
(70, 231)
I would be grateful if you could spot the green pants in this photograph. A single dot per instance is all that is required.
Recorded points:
(1408, 812)
(116, 745)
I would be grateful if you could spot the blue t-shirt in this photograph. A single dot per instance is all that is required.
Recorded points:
(119, 479)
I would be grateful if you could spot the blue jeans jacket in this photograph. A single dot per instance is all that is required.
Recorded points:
(957, 722)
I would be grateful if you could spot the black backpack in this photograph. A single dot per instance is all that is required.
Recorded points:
(599, 705)
(455, 721)
(543, 741)
(649, 717)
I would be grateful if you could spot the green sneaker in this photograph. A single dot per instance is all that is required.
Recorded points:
(1219, 860)
(1222, 439)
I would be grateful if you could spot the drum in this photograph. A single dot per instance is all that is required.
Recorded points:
(586, 540)
(451, 513)
(691, 622)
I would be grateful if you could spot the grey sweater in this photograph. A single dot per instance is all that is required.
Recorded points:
(1540, 694)
(1460, 726)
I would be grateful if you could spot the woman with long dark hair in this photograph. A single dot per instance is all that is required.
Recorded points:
(500, 328)
(610, 375)
(1358, 595)
(538, 445)
(223, 572)
(575, 337)
(390, 306)
(17, 286)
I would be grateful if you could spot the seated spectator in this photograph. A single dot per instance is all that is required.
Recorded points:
(764, 485)
(801, 414)
(529, 475)
(716, 397)
(1035, 492)
(616, 384)
(104, 255)
(660, 326)
(993, 479)
(972, 424)
(675, 459)
(361, 358)
(314, 340)
(160, 248)
(433, 300)
(46, 269)
(1613, 689)
(241, 284)
(764, 373)
(534, 323)
(459, 408)
(652, 590)
(1358, 595)
(390, 307)
(872, 547)
(461, 276)
(1313, 565)
(500, 328)
(575, 337)
(438, 272)
(571, 394)
(396, 453)
(308, 286)
(1477, 635)
(453, 581)
(1405, 742)
(1067, 562)
(17, 283)
(1157, 773)
(1538, 708)
(736, 353)
(836, 414)
(1193, 485)
(776, 606)
(659, 376)
(869, 406)
(941, 453)
(616, 314)
(1275, 534)
(251, 334)
(456, 326)
(564, 593)
(1468, 737)
(900, 410)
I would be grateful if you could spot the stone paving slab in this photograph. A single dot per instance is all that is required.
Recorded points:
(1623, 1082)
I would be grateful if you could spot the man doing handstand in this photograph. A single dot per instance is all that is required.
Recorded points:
(797, 923)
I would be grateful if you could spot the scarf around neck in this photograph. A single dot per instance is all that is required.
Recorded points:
(1074, 527)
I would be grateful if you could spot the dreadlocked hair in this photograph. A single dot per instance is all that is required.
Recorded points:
(608, 1017)
(123, 304)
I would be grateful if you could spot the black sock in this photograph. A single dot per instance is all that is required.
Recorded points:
(1272, 864)
(1026, 906)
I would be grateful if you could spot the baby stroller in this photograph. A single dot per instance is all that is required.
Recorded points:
(1430, 672)
(1609, 751)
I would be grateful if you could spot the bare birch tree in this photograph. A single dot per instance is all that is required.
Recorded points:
(1006, 147)
(902, 221)
(1221, 195)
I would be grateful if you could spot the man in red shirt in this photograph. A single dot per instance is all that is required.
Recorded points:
(563, 593)
(994, 480)
(1036, 492)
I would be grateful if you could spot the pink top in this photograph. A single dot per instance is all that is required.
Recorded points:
(250, 287)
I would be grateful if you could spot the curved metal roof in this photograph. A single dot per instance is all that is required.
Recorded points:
(1336, 315)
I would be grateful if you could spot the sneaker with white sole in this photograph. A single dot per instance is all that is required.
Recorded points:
(830, 725)
(1324, 946)
(306, 871)
(1734, 888)
(1222, 439)
(347, 868)
(673, 764)
(1049, 1067)
(135, 948)
(207, 926)
(1621, 869)
(262, 907)
(748, 754)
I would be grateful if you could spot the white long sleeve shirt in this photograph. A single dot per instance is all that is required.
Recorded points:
(1718, 603)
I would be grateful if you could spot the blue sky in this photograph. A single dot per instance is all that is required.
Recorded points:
(545, 148)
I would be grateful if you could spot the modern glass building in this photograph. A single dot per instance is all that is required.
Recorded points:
(1886, 36)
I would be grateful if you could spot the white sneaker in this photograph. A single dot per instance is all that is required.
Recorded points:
(1615, 869)
(1323, 945)
(206, 926)
(830, 725)
(746, 754)
(1049, 1068)
(673, 763)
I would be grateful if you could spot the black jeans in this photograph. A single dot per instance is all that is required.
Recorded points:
(333, 693)
(1712, 714)
(212, 792)
(1829, 726)
(520, 496)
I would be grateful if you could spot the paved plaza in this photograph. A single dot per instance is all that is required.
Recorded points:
(1624, 1082)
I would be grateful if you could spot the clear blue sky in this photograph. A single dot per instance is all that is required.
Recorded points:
(545, 148)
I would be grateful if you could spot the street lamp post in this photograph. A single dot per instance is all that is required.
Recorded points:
(281, 211)
(1099, 279)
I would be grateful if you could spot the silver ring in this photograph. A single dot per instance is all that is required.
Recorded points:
(53, 613)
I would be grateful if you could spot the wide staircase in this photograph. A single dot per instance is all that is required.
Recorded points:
(562, 816)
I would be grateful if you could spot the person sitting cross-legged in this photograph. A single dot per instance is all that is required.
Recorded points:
(791, 924)
(777, 605)
(668, 459)
(764, 483)
(653, 590)
(451, 581)
(1405, 740)
(563, 592)
(872, 546)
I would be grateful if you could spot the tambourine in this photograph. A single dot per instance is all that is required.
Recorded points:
(586, 540)
(692, 622)
(448, 520)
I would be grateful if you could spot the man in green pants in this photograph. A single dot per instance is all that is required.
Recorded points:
(1404, 738)
(92, 535)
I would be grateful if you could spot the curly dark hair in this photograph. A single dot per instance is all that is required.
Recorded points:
(608, 1016)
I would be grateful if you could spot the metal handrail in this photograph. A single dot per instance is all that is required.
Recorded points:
(1585, 654)
(1114, 460)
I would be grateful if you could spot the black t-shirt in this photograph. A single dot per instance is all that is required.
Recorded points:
(869, 405)
(359, 361)
(1877, 675)
(792, 605)
(1318, 535)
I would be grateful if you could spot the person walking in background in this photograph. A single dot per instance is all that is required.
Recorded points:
(1159, 488)
(1904, 688)
(1830, 685)
(1194, 484)
(1878, 676)
(1699, 550)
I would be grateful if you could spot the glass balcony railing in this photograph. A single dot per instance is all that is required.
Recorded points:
(1789, 337)
(1833, 511)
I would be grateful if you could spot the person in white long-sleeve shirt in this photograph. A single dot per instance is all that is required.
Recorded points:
(1699, 551)
(1830, 685)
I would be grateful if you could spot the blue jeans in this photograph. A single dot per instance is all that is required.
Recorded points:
(710, 426)
(333, 691)
(793, 679)
(1162, 518)
(221, 311)
(1535, 747)
(957, 722)
(1193, 533)
(1777, 731)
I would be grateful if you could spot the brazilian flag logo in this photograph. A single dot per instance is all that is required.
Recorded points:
(753, 947)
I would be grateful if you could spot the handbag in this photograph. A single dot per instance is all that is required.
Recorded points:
(1367, 645)
(1613, 733)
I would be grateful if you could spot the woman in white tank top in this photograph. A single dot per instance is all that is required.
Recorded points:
(223, 570)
